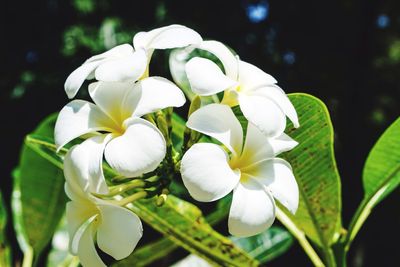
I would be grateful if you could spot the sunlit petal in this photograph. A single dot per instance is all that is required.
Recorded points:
(206, 78)
(119, 232)
(78, 76)
(77, 118)
(109, 96)
(252, 210)
(77, 215)
(278, 96)
(139, 150)
(259, 147)
(87, 253)
(219, 122)
(128, 68)
(277, 175)
(115, 52)
(227, 58)
(252, 77)
(206, 172)
(264, 114)
(166, 37)
(156, 93)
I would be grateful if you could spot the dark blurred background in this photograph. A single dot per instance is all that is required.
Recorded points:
(345, 52)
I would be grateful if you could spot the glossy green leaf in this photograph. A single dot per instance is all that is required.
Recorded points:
(266, 246)
(41, 188)
(5, 251)
(178, 220)
(314, 166)
(155, 250)
(381, 173)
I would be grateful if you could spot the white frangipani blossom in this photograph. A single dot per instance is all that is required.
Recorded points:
(251, 170)
(262, 102)
(125, 62)
(131, 145)
(116, 229)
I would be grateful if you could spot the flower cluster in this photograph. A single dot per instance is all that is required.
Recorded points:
(127, 124)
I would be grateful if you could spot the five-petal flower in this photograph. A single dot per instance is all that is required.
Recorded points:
(251, 170)
(116, 229)
(125, 62)
(262, 102)
(131, 145)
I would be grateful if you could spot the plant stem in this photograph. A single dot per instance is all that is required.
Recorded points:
(300, 236)
(28, 258)
(118, 189)
(132, 198)
(357, 221)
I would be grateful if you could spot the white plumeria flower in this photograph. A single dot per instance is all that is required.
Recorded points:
(252, 171)
(262, 102)
(131, 145)
(125, 62)
(116, 229)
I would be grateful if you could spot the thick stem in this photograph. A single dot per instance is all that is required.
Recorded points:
(28, 258)
(301, 238)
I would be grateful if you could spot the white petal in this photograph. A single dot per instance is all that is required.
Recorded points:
(191, 260)
(118, 51)
(77, 118)
(87, 253)
(258, 147)
(219, 122)
(251, 77)
(282, 144)
(206, 78)
(119, 231)
(109, 97)
(130, 67)
(77, 215)
(78, 76)
(277, 175)
(227, 58)
(278, 96)
(139, 150)
(156, 93)
(206, 172)
(166, 37)
(252, 210)
(91, 152)
(264, 114)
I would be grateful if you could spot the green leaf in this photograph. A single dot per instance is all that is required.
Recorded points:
(267, 245)
(149, 253)
(315, 169)
(41, 189)
(264, 247)
(178, 220)
(381, 175)
(5, 251)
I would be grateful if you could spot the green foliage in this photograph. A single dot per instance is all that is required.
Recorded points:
(314, 167)
(5, 252)
(267, 245)
(381, 175)
(178, 220)
(40, 190)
